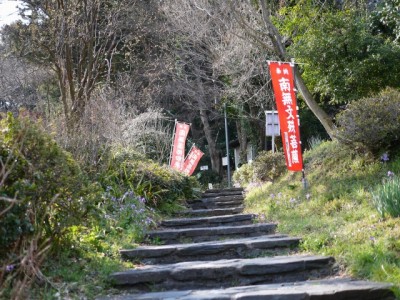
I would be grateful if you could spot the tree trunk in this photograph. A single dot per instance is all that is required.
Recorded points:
(322, 116)
(214, 153)
(242, 136)
(280, 51)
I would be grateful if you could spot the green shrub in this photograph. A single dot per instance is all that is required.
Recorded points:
(243, 175)
(162, 187)
(269, 166)
(371, 124)
(51, 190)
(386, 197)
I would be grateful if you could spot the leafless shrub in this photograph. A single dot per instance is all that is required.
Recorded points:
(149, 133)
(19, 83)
(110, 119)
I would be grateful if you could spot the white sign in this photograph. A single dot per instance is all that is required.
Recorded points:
(272, 123)
(203, 168)
(224, 161)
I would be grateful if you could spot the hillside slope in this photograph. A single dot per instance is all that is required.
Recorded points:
(335, 214)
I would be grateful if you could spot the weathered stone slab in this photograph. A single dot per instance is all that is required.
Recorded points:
(213, 212)
(217, 269)
(210, 204)
(239, 219)
(237, 248)
(217, 191)
(222, 193)
(331, 289)
(221, 198)
(203, 234)
(217, 198)
(225, 272)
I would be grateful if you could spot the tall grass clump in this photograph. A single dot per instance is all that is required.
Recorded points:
(315, 141)
(386, 197)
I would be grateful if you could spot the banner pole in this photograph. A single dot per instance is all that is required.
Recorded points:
(193, 145)
(172, 144)
(303, 177)
(273, 142)
(227, 148)
(304, 180)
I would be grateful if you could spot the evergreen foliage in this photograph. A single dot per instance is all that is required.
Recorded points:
(345, 53)
(371, 124)
(267, 167)
(50, 190)
(125, 169)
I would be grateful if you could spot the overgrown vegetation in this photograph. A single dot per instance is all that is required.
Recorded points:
(52, 191)
(267, 166)
(68, 204)
(350, 207)
(371, 124)
(336, 215)
(59, 220)
(162, 188)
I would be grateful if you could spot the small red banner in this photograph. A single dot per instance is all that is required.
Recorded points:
(283, 85)
(178, 150)
(192, 160)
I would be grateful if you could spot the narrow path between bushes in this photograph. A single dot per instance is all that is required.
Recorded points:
(214, 251)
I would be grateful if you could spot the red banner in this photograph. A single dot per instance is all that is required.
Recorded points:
(283, 85)
(192, 160)
(178, 150)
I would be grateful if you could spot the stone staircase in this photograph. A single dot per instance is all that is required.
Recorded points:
(216, 252)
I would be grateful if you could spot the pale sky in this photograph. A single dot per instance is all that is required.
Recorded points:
(8, 11)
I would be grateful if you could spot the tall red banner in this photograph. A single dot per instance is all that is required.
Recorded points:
(178, 150)
(283, 85)
(192, 160)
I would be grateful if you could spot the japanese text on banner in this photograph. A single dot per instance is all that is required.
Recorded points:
(192, 160)
(283, 86)
(178, 150)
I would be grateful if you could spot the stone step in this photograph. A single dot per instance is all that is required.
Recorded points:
(210, 204)
(227, 192)
(239, 219)
(203, 234)
(237, 248)
(330, 289)
(232, 189)
(221, 198)
(213, 212)
(225, 273)
(237, 198)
